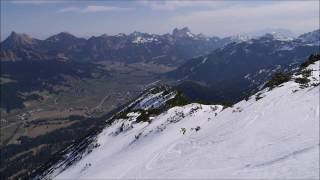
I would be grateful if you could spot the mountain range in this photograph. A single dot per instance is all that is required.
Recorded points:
(171, 49)
(207, 68)
(240, 68)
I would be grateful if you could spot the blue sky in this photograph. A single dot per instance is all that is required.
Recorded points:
(40, 18)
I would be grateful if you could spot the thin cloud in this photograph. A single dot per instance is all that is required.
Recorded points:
(35, 2)
(296, 15)
(93, 9)
(70, 9)
(178, 4)
(166, 5)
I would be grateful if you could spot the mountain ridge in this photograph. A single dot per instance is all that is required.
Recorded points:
(134, 47)
(174, 49)
(244, 140)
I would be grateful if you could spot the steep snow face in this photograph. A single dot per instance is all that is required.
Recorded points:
(275, 134)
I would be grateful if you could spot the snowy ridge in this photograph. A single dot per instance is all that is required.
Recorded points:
(274, 134)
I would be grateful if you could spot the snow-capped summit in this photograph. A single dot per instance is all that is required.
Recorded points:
(239, 38)
(272, 134)
(280, 31)
(145, 39)
(311, 37)
(120, 35)
(275, 36)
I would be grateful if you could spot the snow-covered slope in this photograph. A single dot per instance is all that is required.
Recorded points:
(274, 134)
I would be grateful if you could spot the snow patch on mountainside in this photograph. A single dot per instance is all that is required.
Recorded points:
(204, 60)
(154, 100)
(274, 134)
(240, 38)
(142, 40)
(281, 37)
(189, 34)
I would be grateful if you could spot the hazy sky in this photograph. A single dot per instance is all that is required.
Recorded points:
(40, 18)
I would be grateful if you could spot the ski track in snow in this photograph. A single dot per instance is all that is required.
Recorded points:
(284, 157)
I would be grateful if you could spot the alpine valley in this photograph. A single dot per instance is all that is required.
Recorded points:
(176, 105)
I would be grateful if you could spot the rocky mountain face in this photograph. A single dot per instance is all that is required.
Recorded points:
(62, 44)
(242, 67)
(170, 49)
(20, 46)
(16, 40)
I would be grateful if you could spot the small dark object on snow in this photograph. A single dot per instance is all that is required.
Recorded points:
(183, 130)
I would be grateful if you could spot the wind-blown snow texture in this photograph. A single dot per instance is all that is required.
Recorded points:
(273, 137)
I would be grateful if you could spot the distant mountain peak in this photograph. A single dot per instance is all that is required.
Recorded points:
(17, 36)
(240, 38)
(183, 32)
(121, 35)
(17, 39)
(312, 37)
(13, 33)
(281, 36)
(137, 34)
(64, 33)
(186, 29)
(268, 35)
(104, 35)
(61, 36)
(262, 32)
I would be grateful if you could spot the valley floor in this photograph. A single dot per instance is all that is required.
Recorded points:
(34, 134)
